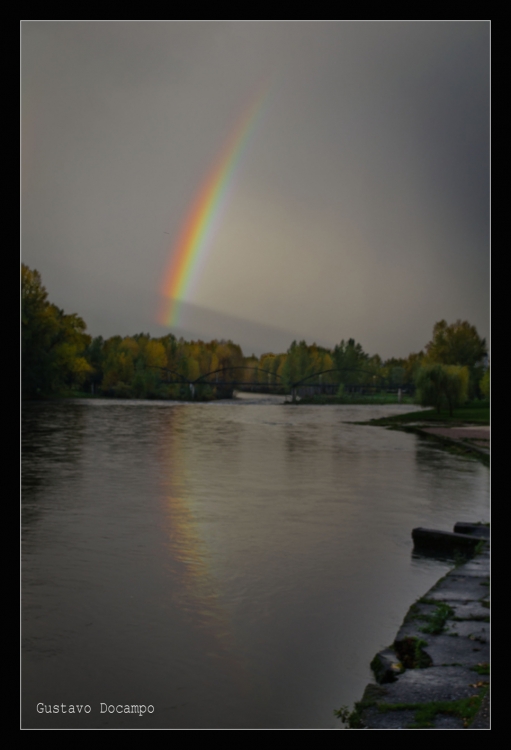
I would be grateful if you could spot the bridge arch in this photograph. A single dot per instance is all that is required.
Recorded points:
(238, 367)
(338, 369)
(358, 370)
(201, 380)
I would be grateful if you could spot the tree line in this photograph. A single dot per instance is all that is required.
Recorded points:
(59, 358)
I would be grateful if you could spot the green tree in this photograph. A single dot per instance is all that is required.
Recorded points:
(52, 343)
(442, 386)
(411, 365)
(298, 363)
(394, 372)
(351, 358)
(484, 383)
(458, 344)
(38, 327)
(94, 356)
(70, 367)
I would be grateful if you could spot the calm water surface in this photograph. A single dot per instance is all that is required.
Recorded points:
(234, 564)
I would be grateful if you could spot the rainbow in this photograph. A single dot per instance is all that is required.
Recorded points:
(203, 218)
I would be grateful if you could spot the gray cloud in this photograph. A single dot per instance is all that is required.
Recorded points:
(361, 208)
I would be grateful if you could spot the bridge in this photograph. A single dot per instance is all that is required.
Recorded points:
(292, 386)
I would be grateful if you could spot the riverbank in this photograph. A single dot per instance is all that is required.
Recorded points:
(472, 441)
(354, 399)
(435, 675)
(466, 433)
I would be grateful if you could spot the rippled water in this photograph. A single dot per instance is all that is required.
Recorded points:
(233, 564)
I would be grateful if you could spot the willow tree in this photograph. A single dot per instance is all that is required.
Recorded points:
(442, 386)
(458, 344)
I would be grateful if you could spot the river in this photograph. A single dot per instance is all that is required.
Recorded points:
(233, 564)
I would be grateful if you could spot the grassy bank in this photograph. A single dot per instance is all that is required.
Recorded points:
(476, 412)
(374, 399)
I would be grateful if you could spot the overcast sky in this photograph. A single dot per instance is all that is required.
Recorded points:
(360, 209)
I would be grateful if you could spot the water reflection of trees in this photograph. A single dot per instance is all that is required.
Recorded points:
(52, 436)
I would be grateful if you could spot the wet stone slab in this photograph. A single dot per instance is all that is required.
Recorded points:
(416, 688)
(443, 721)
(444, 541)
(449, 649)
(405, 719)
(470, 611)
(431, 684)
(480, 530)
(476, 568)
(375, 719)
(473, 629)
(457, 588)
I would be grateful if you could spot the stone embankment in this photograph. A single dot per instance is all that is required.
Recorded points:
(436, 673)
